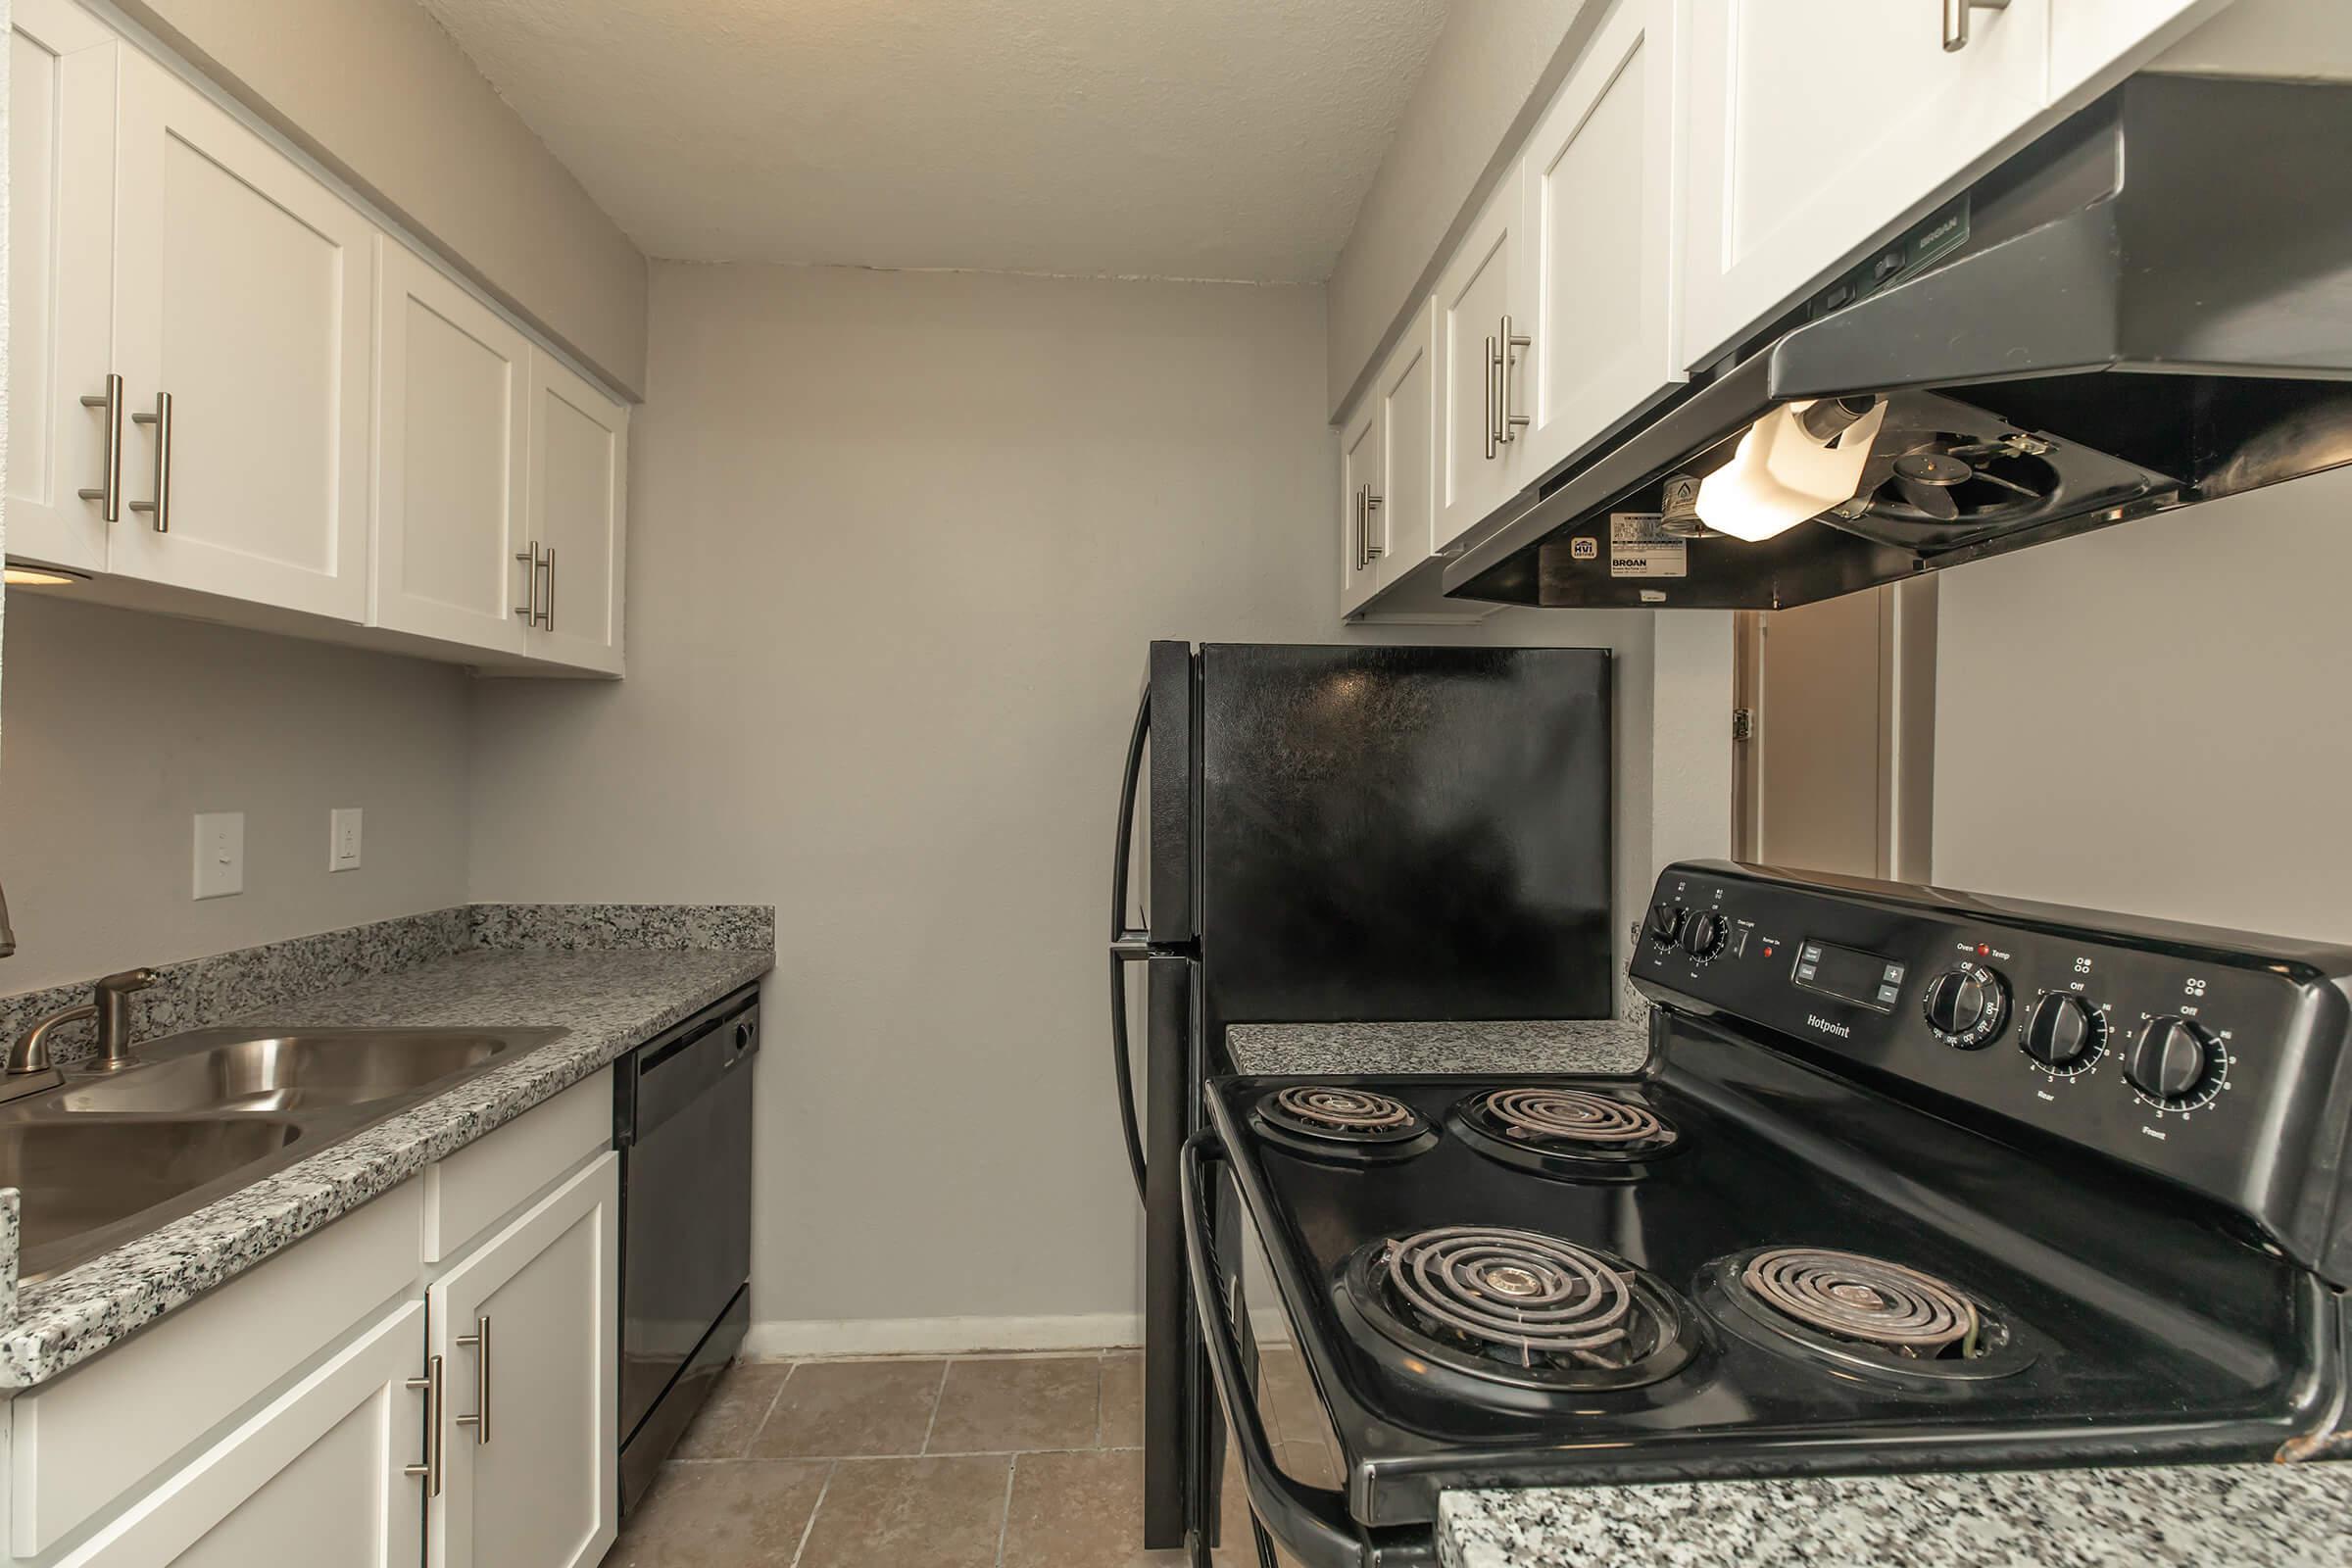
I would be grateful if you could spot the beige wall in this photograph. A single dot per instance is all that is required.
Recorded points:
(898, 541)
(379, 93)
(1493, 71)
(122, 725)
(2151, 718)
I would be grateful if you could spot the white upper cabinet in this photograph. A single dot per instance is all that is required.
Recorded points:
(1479, 371)
(60, 243)
(453, 387)
(1361, 501)
(577, 531)
(1405, 408)
(1597, 221)
(1814, 127)
(244, 297)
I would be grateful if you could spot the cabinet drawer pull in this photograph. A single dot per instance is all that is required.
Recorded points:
(479, 1340)
(429, 1472)
(160, 505)
(1955, 21)
(1493, 380)
(109, 491)
(528, 609)
(1507, 429)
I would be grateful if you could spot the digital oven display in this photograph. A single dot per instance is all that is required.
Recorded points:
(1862, 978)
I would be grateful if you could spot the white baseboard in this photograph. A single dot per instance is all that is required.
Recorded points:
(792, 1339)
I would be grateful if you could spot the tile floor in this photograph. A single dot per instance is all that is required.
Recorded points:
(1015, 1461)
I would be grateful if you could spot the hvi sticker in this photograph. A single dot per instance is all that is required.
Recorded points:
(1639, 548)
(1584, 548)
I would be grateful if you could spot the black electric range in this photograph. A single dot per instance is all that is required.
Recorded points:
(1912, 1179)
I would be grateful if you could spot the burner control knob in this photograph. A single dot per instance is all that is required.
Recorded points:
(1703, 934)
(1665, 922)
(2172, 1059)
(2062, 1030)
(1967, 1006)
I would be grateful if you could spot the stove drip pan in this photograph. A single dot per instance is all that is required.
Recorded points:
(1861, 1314)
(1516, 1308)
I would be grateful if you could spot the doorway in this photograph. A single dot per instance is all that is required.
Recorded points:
(1834, 734)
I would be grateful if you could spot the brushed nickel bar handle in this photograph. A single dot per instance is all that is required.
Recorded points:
(479, 1339)
(1494, 430)
(529, 609)
(1358, 514)
(429, 1472)
(108, 492)
(547, 564)
(160, 505)
(1955, 21)
(1511, 423)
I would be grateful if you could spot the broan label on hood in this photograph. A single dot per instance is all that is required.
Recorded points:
(1639, 548)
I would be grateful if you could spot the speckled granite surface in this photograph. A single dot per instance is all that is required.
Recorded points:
(200, 992)
(1604, 1045)
(2163, 1516)
(608, 1001)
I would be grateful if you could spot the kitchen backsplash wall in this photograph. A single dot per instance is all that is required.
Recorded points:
(2153, 719)
(122, 726)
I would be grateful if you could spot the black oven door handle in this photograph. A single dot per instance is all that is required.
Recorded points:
(1312, 1524)
(1127, 945)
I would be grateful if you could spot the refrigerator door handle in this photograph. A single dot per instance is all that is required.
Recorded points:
(1127, 942)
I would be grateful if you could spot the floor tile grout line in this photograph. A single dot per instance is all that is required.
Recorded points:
(809, 1527)
(937, 1396)
(769, 1414)
(1012, 1464)
(1100, 1362)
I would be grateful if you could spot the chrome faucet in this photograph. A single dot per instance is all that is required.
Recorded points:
(109, 1012)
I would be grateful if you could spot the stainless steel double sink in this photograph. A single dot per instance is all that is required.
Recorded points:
(105, 1158)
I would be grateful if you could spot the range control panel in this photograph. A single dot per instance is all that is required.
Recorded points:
(2215, 1058)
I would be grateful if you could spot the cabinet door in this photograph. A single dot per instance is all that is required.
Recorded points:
(1359, 483)
(1405, 401)
(578, 516)
(1815, 124)
(317, 1475)
(244, 291)
(1597, 221)
(453, 384)
(1474, 296)
(529, 1416)
(61, 244)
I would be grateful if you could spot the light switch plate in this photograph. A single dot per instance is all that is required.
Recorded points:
(220, 854)
(343, 838)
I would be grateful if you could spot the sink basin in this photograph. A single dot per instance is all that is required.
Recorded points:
(105, 1158)
(79, 1178)
(216, 1070)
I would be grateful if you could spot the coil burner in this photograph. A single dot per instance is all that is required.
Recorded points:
(1862, 1311)
(1519, 1307)
(1333, 1122)
(1576, 1133)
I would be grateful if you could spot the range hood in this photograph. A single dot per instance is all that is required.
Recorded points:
(2150, 307)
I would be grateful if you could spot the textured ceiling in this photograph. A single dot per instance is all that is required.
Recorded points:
(1170, 139)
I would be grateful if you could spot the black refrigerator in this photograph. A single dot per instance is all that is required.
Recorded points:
(1336, 834)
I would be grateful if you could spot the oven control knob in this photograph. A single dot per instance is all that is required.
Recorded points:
(1703, 934)
(1967, 1006)
(1665, 922)
(2172, 1059)
(2063, 1030)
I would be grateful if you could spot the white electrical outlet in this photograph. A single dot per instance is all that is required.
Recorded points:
(343, 838)
(220, 854)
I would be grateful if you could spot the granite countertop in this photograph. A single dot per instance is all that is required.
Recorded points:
(2161, 1516)
(609, 1001)
(1387, 1050)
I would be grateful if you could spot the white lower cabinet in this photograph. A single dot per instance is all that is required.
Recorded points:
(320, 1475)
(527, 1333)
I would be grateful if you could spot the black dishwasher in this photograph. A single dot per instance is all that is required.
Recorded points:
(683, 1126)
